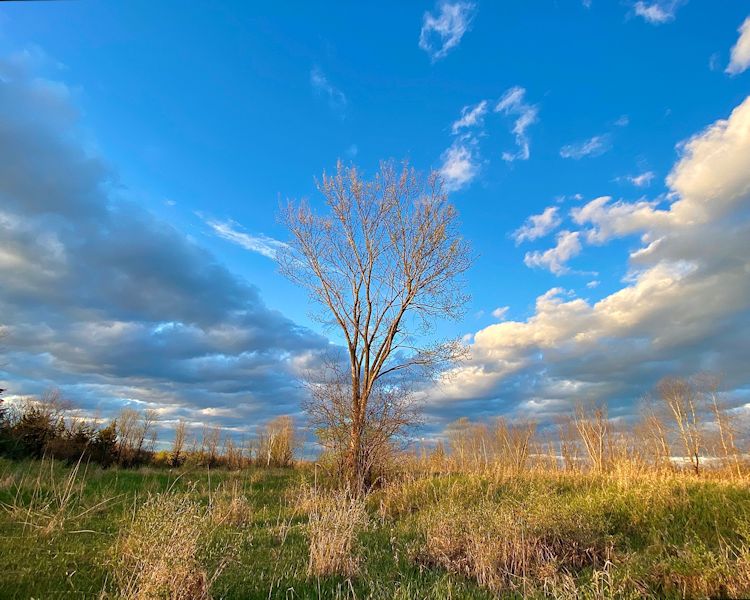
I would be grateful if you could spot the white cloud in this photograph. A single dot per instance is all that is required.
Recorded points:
(231, 231)
(336, 98)
(740, 56)
(459, 167)
(556, 258)
(537, 226)
(514, 103)
(610, 220)
(500, 312)
(443, 32)
(594, 146)
(684, 306)
(471, 116)
(594, 283)
(642, 180)
(622, 121)
(657, 12)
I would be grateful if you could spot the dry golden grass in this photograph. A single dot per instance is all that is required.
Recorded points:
(579, 535)
(47, 503)
(335, 519)
(159, 555)
(230, 505)
(504, 548)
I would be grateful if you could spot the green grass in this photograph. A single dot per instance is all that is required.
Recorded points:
(671, 537)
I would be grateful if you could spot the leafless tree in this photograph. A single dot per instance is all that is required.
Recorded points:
(278, 442)
(391, 411)
(683, 401)
(569, 450)
(383, 263)
(210, 441)
(654, 434)
(177, 456)
(136, 434)
(514, 443)
(595, 432)
(709, 386)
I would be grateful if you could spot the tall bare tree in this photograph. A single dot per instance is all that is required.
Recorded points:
(383, 262)
(595, 432)
(684, 403)
(709, 385)
(176, 455)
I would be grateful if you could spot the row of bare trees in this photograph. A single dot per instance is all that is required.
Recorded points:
(50, 426)
(685, 424)
(276, 445)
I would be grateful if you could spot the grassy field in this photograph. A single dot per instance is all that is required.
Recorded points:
(87, 533)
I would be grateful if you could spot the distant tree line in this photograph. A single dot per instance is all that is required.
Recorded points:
(684, 425)
(49, 427)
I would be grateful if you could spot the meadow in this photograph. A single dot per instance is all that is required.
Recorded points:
(82, 531)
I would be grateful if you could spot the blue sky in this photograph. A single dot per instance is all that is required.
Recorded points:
(203, 117)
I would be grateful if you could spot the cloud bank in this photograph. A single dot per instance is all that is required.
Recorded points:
(684, 305)
(114, 306)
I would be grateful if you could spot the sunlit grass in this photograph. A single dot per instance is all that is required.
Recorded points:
(263, 533)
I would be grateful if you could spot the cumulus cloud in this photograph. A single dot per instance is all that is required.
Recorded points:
(684, 305)
(594, 146)
(740, 55)
(232, 232)
(657, 12)
(442, 32)
(537, 226)
(555, 259)
(336, 98)
(114, 306)
(513, 103)
(459, 166)
(608, 220)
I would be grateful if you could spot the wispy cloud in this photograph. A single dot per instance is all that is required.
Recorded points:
(443, 32)
(459, 166)
(556, 258)
(537, 226)
(514, 103)
(232, 232)
(500, 312)
(642, 180)
(594, 146)
(471, 116)
(657, 12)
(622, 121)
(740, 56)
(322, 86)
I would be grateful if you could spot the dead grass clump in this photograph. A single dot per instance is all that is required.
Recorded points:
(335, 519)
(162, 552)
(511, 546)
(230, 506)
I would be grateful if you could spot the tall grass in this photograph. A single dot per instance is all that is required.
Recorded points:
(335, 519)
(164, 551)
(580, 535)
